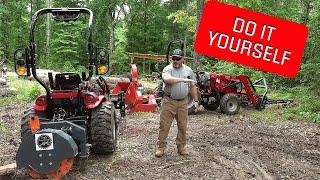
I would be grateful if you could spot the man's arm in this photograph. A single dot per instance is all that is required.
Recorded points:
(194, 93)
(172, 80)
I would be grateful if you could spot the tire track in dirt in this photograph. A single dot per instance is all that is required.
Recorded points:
(221, 147)
(279, 148)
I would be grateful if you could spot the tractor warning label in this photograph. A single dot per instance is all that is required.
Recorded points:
(250, 38)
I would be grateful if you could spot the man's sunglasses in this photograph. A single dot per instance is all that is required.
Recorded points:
(176, 58)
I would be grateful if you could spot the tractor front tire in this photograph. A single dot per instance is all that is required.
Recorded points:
(25, 126)
(230, 104)
(104, 129)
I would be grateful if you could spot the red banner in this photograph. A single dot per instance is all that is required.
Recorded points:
(250, 38)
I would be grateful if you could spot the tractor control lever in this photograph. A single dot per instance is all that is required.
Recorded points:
(103, 85)
(107, 89)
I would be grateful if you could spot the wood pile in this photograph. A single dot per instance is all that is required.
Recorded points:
(5, 90)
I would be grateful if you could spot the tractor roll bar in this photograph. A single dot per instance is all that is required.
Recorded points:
(60, 10)
(32, 45)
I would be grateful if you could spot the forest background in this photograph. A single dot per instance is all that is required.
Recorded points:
(147, 26)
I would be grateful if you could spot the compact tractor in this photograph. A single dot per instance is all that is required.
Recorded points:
(230, 91)
(75, 115)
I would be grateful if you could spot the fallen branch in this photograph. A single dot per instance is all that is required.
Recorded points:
(7, 168)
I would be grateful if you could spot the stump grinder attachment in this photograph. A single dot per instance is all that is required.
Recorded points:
(134, 99)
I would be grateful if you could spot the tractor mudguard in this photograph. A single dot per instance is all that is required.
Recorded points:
(45, 150)
(97, 102)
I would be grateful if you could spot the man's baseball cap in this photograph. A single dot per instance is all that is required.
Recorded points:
(177, 53)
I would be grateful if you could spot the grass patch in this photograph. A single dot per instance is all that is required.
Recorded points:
(2, 128)
(271, 113)
(27, 91)
(146, 82)
(306, 106)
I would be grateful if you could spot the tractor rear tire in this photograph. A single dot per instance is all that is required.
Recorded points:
(25, 127)
(104, 129)
(211, 107)
(230, 104)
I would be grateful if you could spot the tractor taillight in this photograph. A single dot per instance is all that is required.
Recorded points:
(41, 101)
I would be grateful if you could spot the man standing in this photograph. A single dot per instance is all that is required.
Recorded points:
(179, 81)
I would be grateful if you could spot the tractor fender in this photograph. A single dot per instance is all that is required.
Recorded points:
(98, 101)
(45, 150)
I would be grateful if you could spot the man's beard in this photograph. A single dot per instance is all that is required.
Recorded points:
(176, 65)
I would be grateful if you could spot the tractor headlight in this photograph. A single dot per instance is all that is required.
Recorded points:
(102, 69)
(20, 63)
(101, 61)
(21, 70)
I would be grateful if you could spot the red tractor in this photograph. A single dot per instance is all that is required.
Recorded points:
(229, 92)
(75, 115)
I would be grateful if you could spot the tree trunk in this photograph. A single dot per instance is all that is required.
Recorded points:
(308, 7)
(145, 24)
(186, 32)
(275, 5)
(48, 30)
(4, 33)
(31, 8)
(307, 12)
(111, 43)
(196, 56)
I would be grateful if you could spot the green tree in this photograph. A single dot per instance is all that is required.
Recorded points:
(13, 23)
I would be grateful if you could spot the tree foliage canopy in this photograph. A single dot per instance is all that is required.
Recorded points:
(145, 26)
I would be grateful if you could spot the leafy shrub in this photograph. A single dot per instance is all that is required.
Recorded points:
(119, 62)
(26, 90)
(33, 92)
(306, 104)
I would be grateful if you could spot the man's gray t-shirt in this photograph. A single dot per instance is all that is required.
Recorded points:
(178, 90)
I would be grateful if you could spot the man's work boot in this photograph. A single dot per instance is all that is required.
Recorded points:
(160, 152)
(183, 151)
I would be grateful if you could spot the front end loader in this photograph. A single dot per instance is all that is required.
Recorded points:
(230, 91)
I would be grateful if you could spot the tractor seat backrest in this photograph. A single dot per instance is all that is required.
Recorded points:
(67, 81)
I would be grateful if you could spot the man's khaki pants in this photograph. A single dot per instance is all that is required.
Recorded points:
(173, 109)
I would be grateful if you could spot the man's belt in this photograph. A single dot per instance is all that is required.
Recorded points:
(169, 96)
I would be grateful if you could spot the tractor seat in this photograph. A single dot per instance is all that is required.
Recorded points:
(67, 81)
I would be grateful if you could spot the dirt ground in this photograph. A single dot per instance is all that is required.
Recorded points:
(221, 147)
